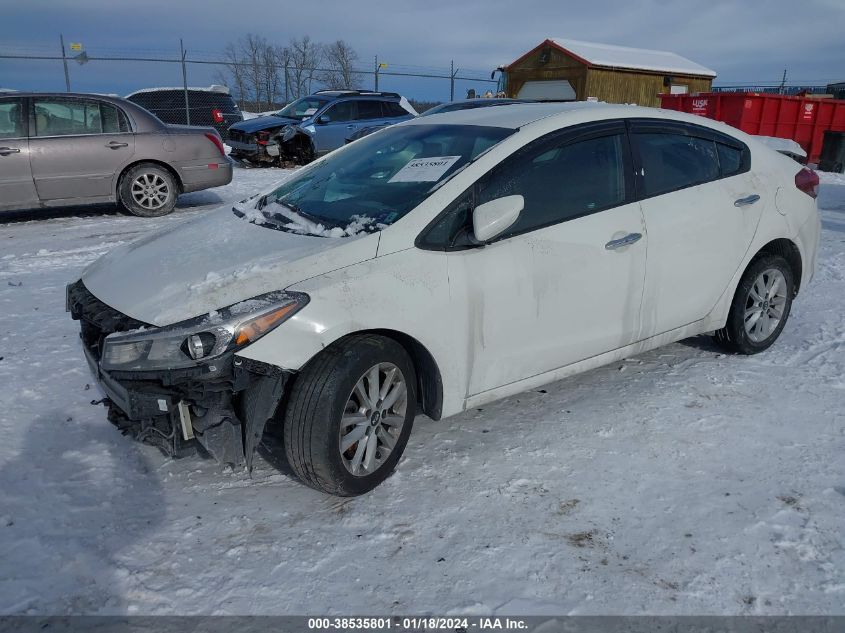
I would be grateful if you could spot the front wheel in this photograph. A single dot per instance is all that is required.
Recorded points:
(349, 415)
(760, 307)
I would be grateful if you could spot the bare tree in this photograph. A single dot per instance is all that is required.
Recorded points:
(305, 58)
(234, 75)
(273, 81)
(262, 74)
(339, 59)
(281, 55)
(252, 49)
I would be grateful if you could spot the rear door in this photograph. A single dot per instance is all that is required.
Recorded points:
(701, 206)
(77, 147)
(17, 190)
(371, 114)
(341, 123)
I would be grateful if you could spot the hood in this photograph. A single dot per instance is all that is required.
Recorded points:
(264, 123)
(211, 262)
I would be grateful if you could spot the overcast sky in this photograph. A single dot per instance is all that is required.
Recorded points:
(744, 41)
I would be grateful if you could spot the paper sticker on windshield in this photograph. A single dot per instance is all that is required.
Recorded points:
(309, 112)
(425, 169)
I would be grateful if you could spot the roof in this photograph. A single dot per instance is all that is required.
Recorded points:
(509, 116)
(356, 93)
(624, 57)
(520, 115)
(211, 88)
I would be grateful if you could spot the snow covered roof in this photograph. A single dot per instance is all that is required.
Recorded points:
(610, 56)
(211, 88)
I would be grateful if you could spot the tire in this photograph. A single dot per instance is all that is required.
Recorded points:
(766, 274)
(141, 188)
(325, 409)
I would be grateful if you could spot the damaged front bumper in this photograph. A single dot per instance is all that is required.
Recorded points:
(289, 144)
(221, 405)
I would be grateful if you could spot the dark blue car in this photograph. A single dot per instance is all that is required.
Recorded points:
(314, 125)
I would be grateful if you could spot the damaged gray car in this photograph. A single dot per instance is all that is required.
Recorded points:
(315, 125)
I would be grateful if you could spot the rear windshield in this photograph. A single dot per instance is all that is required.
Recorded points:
(162, 100)
(374, 181)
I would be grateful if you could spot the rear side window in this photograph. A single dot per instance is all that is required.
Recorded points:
(730, 159)
(114, 121)
(561, 182)
(675, 161)
(369, 110)
(64, 117)
(393, 109)
(11, 119)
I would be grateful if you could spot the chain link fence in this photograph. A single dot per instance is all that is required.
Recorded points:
(779, 89)
(123, 73)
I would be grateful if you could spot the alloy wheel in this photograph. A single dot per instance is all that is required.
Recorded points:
(373, 419)
(150, 191)
(765, 304)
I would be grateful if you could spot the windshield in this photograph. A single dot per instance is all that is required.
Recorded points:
(373, 182)
(302, 108)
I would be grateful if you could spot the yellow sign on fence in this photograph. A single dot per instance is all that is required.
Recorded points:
(75, 46)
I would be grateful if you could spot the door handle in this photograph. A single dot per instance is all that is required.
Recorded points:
(623, 241)
(116, 145)
(5, 151)
(744, 202)
(350, 126)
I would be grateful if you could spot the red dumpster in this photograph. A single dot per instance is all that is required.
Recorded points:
(802, 119)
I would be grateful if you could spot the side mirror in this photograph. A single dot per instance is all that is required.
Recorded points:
(324, 118)
(493, 218)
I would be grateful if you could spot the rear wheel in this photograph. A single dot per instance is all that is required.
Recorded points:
(760, 307)
(349, 415)
(148, 190)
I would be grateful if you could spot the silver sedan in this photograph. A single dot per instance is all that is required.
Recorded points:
(69, 149)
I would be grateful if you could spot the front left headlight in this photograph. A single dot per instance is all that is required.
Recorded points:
(203, 338)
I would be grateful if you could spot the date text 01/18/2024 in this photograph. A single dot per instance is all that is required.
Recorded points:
(423, 623)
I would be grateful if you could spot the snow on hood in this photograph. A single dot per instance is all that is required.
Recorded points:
(211, 262)
(358, 225)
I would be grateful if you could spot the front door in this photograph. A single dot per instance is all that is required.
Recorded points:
(17, 190)
(565, 282)
(77, 147)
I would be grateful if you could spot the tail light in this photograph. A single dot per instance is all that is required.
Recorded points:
(217, 115)
(807, 181)
(262, 137)
(218, 142)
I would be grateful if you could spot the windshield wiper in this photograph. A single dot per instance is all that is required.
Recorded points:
(311, 217)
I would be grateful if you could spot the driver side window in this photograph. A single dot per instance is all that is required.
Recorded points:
(560, 180)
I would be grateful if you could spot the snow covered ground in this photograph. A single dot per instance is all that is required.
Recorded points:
(681, 481)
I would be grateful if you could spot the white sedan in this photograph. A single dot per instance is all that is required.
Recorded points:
(438, 265)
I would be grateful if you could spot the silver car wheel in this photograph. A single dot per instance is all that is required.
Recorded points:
(373, 419)
(764, 305)
(150, 191)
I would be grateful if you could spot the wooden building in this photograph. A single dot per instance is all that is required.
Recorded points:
(562, 69)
